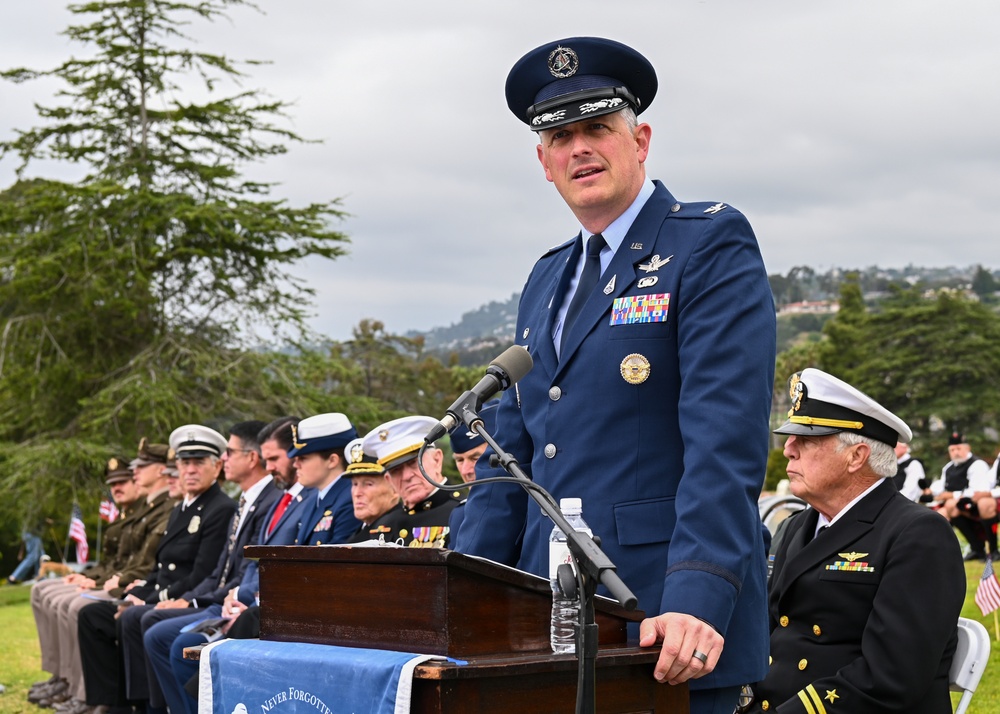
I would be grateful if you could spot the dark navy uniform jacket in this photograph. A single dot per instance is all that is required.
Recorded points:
(190, 547)
(863, 616)
(656, 416)
(330, 520)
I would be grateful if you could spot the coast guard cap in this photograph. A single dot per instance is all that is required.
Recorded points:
(579, 77)
(823, 404)
(398, 441)
(361, 464)
(150, 454)
(462, 439)
(117, 469)
(323, 432)
(193, 441)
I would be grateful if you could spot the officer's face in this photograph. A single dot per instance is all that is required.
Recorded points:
(466, 462)
(124, 492)
(198, 474)
(314, 471)
(278, 464)
(821, 470)
(596, 165)
(148, 476)
(372, 496)
(411, 486)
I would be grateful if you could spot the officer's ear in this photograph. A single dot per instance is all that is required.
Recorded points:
(544, 162)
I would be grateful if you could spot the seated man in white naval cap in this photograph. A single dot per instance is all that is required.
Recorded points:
(422, 520)
(867, 585)
(374, 498)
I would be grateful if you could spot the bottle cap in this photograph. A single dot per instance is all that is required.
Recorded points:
(573, 504)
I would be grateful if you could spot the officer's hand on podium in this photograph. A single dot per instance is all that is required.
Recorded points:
(690, 647)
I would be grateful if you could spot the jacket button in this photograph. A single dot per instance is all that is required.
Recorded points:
(765, 705)
(770, 661)
(817, 631)
(550, 451)
(555, 393)
(783, 621)
(803, 664)
(172, 566)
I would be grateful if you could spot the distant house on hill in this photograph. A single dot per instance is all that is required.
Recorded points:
(814, 307)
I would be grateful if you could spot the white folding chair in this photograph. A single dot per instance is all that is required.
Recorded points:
(774, 509)
(971, 655)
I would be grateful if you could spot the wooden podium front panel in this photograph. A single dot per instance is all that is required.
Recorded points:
(413, 600)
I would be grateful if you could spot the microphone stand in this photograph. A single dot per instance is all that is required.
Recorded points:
(592, 564)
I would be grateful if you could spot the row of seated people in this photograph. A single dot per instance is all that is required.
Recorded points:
(175, 556)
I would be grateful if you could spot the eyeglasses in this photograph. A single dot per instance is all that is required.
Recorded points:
(230, 451)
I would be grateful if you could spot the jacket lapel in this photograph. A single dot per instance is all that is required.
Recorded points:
(855, 524)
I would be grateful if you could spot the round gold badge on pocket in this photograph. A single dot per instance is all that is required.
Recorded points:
(635, 369)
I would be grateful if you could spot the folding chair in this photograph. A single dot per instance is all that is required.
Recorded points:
(971, 655)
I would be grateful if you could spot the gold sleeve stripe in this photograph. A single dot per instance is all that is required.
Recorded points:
(817, 700)
(806, 703)
(817, 421)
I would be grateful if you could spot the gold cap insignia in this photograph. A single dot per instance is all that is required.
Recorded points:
(796, 390)
(112, 464)
(635, 369)
(383, 435)
(357, 454)
(142, 445)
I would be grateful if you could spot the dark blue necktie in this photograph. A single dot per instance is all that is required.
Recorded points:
(588, 281)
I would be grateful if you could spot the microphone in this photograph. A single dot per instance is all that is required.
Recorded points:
(505, 370)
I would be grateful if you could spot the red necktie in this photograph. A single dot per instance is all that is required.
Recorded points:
(282, 505)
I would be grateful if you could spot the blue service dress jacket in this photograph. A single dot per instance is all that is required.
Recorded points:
(655, 414)
(330, 520)
(863, 615)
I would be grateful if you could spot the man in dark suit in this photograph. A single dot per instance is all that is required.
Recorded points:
(867, 586)
(318, 454)
(650, 394)
(188, 551)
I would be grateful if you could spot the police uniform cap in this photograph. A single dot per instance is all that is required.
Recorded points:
(322, 432)
(193, 441)
(117, 469)
(360, 463)
(463, 439)
(398, 441)
(823, 404)
(576, 78)
(150, 454)
(171, 468)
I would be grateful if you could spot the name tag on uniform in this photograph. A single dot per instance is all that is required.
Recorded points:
(637, 309)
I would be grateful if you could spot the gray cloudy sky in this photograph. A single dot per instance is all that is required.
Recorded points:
(851, 133)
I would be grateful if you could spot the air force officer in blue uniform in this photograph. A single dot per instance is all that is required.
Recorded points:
(653, 348)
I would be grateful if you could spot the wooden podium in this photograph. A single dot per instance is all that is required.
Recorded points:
(493, 619)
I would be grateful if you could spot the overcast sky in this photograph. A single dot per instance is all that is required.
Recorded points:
(851, 133)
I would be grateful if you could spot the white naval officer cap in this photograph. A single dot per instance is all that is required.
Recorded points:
(398, 441)
(823, 404)
(193, 441)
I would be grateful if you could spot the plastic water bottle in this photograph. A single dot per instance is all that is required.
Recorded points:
(565, 611)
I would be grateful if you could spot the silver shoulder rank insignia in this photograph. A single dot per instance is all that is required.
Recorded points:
(563, 62)
(655, 263)
(647, 282)
(716, 208)
(852, 556)
(610, 287)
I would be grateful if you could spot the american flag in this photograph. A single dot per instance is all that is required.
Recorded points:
(988, 590)
(78, 533)
(109, 511)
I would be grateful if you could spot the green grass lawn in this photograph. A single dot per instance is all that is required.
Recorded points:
(19, 657)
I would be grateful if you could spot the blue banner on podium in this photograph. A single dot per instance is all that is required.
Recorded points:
(257, 677)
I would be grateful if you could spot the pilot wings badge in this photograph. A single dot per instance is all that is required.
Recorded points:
(852, 556)
(655, 263)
